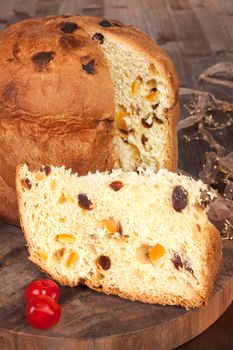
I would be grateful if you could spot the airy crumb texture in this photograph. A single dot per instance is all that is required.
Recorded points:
(141, 124)
(142, 237)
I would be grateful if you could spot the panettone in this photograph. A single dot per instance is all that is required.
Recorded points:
(142, 237)
(85, 92)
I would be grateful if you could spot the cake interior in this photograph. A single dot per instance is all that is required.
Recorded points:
(141, 137)
(149, 251)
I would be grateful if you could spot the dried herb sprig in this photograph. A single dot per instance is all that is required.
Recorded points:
(217, 169)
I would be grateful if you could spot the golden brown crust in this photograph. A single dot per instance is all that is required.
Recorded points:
(172, 155)
(52, 111)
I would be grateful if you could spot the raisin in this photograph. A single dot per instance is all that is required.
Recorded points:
(46, 169)
(120, 230)
(155, 106)
(105, 23)
(179, 264)
(177, 261)
(84, 202)
(187, 267)
(116, 185)
(42, 59)
(179, 198)
(98, 37)
(99, 286)
(146, 124)
(144, 139)
(159, 121)
(68, 27)
(90, 67)
(104, 262)
(205, 199)
(126, 132)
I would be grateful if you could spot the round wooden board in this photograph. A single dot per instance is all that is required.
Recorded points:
(92, 320)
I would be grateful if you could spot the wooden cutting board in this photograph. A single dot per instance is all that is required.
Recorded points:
(91, 320)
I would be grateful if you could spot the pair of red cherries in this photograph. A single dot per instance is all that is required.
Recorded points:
(42, 310)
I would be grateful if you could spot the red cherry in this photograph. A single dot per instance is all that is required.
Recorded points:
(42, 312)
(42, 287)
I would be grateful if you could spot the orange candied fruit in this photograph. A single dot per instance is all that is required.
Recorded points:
(112, 226)
(156, 252)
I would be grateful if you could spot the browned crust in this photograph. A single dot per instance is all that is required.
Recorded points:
(172, 145)
(56, 113)
(213, 257)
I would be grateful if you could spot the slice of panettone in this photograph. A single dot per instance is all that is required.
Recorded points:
(142, 237)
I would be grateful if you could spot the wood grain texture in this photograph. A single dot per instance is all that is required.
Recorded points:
(91, 320)
(196, 34)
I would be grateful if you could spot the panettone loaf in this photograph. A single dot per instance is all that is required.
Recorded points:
(85, 92)
(142, 237)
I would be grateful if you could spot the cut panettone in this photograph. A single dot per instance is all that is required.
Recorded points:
(140, 236)
(84, 92)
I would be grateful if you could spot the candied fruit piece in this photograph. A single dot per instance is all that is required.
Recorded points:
(112, 226)
(62, 199)
(39, 176)
(135, 86)
(119, 119)
(72, 259)
(62, 219)
(53, 185)
(156, 252)
(43, 255)
(65, 237)
(151, 97)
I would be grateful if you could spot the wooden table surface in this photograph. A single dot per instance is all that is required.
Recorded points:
(196, 34)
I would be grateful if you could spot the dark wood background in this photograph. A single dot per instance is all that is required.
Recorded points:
(196, 34)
